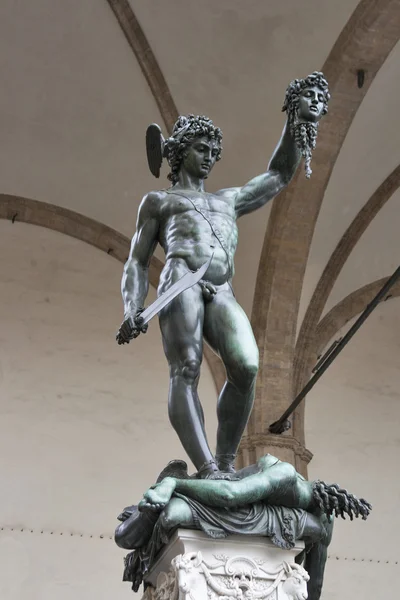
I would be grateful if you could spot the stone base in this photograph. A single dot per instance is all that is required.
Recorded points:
(196, 567)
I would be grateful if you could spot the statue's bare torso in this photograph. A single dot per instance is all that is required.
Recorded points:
(191, 227)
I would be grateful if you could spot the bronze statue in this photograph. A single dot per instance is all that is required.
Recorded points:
(268, 499)
(193, 227)
(196, 302)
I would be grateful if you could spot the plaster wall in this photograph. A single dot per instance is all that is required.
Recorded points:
(370, 152)
(74, 108)
(352, 427)
(84, 427)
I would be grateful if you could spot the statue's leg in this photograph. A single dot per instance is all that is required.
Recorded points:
(181, 325)
(277, 484)
(317, 536)
(177, 513)
(228, 331)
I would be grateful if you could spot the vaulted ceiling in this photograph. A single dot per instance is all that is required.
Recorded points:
(82, 80)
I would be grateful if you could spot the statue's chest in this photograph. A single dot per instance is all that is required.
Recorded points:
(205, 205)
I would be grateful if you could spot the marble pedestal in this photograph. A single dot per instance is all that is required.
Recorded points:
(196, 567)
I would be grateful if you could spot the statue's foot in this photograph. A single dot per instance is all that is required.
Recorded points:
(218, 476)
(226, 463)
(210, 471)
(207, 471)
(158, 496)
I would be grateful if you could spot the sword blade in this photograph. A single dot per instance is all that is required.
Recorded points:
(184, 283)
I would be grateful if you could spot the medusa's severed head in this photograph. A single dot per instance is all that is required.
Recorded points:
(306, 102)
(301, 94)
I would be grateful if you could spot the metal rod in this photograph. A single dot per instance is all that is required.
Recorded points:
(281, 424)
(324, 358)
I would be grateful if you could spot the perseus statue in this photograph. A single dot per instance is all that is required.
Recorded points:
(198, 233)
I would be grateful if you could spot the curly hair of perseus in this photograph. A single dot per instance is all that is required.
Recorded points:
(305, 134)
(186, 129)
(331, 499)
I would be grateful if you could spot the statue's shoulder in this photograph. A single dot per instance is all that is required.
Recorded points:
(151, 202)
(228, 193)
(155, 196)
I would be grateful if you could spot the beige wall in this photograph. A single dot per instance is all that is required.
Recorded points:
(84, 427)
(352, 426)
(83, 422)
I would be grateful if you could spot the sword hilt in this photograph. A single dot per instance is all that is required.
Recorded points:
(137, 319)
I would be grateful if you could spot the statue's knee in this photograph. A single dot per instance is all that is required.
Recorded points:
(169, 519)
(176, 514)
(188, 369)
(227, 494)
(251, 371)
(244, 376)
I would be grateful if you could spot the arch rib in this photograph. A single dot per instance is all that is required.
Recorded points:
(146, 60)
(348, 308)
(304, 358)
(366, 40)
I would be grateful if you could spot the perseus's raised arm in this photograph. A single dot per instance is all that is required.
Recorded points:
(306, 102)
(263, 188)
(135, 279)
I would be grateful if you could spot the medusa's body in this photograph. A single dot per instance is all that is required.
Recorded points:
(269, 495)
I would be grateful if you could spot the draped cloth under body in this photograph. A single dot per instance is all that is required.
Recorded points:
(280, 524)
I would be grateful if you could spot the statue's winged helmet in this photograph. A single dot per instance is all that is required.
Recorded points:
(185, 130)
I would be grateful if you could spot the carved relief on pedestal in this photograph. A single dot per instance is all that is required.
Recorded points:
(191, 577)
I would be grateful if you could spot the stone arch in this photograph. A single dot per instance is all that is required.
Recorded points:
(305, 343)
(344, 311)
(348, 308)
(146, 60)
(367, 39)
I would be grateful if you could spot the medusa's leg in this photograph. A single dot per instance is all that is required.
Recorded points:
(275, 479)
(177, 513)
(317, 535)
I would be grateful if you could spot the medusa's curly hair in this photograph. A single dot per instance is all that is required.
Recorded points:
(331, 499)
(305, 134)
(186, 129)
(294, 89)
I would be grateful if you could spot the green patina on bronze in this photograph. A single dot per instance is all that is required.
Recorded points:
(269, 499)
(194, 226)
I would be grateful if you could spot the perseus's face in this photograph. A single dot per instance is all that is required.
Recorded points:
(311, 104)
(200, 157)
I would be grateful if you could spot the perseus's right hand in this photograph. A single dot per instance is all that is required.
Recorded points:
(131, 327)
